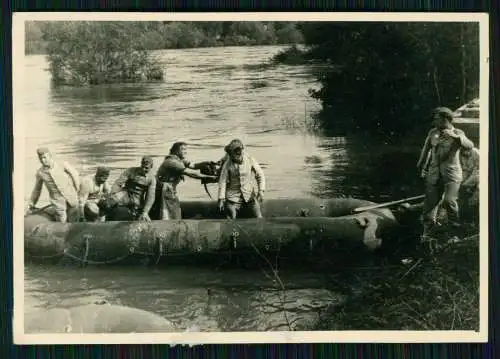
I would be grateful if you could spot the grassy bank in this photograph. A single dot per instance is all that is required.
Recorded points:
(435, 290)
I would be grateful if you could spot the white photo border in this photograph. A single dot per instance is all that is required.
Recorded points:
(197, 338)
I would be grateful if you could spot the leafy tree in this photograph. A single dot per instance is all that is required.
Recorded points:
(385, 78)
(93, 52)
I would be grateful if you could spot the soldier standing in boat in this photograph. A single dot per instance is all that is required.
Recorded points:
(236, 189)
(92, 189)
(62, 182)
(439, 164)
(169, 175)
(134, 190)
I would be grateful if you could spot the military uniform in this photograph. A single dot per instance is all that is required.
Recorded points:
(131, 190)
(444, 173)
(62, 182)
(169, 175)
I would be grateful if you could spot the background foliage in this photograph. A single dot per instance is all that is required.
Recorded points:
(385, 78)
(155, 35)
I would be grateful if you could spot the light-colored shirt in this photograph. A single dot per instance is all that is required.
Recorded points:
(445, 158)
(60, 181)
(90, 190)
(235, 181)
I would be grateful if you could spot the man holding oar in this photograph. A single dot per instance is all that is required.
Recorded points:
(444, 172)
(62, 182)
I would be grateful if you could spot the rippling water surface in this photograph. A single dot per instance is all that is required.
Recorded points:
(209, 96)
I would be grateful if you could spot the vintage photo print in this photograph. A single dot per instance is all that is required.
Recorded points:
(192, 178)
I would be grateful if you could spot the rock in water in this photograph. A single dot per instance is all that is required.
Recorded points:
(96, 318)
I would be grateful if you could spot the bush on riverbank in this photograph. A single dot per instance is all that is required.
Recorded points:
(385, 78)
(292, 55)
(436, 292)
(87, 52)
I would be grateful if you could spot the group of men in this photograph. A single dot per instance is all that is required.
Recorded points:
(449, 164)
(138, 193)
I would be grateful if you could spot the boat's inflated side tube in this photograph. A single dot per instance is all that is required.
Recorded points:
(111, 242)
(95, 318)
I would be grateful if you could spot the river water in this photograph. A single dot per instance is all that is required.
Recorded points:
(209, 96)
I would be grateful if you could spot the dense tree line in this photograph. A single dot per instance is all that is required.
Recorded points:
(155, 35)
(385, 78)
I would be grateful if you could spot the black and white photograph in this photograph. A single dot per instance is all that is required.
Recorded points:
(250, 178)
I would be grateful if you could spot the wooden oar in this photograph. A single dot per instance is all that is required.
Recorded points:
(387, 204)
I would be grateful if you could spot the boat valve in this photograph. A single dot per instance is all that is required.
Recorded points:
(159, 249)
(87, 238)
(235, 236)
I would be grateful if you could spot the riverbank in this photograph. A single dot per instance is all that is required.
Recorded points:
(435, 289)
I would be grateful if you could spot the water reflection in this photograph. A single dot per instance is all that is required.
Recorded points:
(213, 300)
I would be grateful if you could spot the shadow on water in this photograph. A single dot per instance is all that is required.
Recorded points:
(368, 169)
(103, 94)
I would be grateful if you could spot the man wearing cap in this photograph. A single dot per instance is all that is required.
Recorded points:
(92, 190)
(135, 190)
(169, 175)
(236, 189)
(444, 173)
(62, 182)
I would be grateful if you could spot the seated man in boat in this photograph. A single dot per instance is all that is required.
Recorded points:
(169, 175)
(92, 189)
(236, 189)
(62, 182)
(134, 191)
(444, 173)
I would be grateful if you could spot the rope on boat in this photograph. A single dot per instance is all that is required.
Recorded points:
(88, 261)
(86, 252)
(47, 257)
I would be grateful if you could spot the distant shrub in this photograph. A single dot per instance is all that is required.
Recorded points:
(97, 52)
